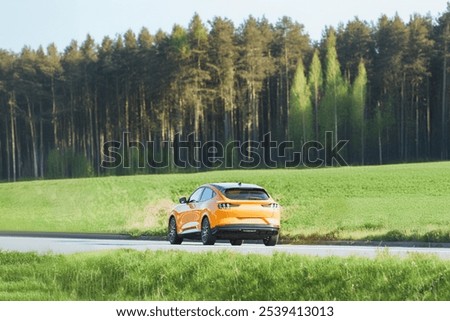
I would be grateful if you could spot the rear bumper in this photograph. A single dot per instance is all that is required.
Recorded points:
(245, 231)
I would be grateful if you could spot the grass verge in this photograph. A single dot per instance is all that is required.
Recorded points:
(172, 275)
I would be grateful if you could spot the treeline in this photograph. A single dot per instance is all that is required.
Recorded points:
(382, 86)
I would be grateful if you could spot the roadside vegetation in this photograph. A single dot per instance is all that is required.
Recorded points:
(390, 203)
(177, 275)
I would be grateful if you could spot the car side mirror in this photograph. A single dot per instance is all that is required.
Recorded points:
(183, 200)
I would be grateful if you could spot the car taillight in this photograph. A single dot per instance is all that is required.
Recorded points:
(271, 205)
(226, 205)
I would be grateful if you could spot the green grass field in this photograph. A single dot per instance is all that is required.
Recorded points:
(393, 202)
(173, 275)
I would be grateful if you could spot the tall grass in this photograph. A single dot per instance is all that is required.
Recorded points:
(172, 275)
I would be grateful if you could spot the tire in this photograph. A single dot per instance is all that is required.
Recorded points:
(271, 240)
(172, 235)
(207, 237)
(236, 242)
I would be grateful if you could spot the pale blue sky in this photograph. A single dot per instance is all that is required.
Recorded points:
(34, 23)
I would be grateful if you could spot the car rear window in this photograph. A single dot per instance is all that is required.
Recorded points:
(246, 194)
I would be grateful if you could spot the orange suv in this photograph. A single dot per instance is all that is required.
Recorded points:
(231, 211)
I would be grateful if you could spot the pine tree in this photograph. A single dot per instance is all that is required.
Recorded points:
(300, 113)
(442, 38)
(315, 82)
(28, 91)
(222, 62)
(353, 44)
(417, 69)
(390, 82)
(334, 109)
(290, 45)
(358, 111)
(254, 65)
(198, 74)
(88, 50)
(178, 108)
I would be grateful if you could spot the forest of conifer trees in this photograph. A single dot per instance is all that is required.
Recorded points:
(383, 86)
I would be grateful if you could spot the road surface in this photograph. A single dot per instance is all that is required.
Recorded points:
(76, 245)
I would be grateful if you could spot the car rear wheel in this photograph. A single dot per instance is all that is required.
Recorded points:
(207, 237)
(236, 242)
(271, 240)
(173, 236)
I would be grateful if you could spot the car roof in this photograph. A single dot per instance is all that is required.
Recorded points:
(224, 186)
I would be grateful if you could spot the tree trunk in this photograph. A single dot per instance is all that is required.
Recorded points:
(8, 153)
(428, 120)
(335, 115)
(41, 142)
(33, 138)
(380, 146)
(402, 119)
(72, 121)
(279, 109)
(316, 113)
(12, 103)
(444, 147)
(256, 113)
(286, 119)
(1, 160)
(54, 113)
(18, 149)
(416, 102)
(269, 108)
(362, 124)
(97, 129)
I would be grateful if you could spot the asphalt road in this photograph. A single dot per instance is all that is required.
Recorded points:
(75, 245)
